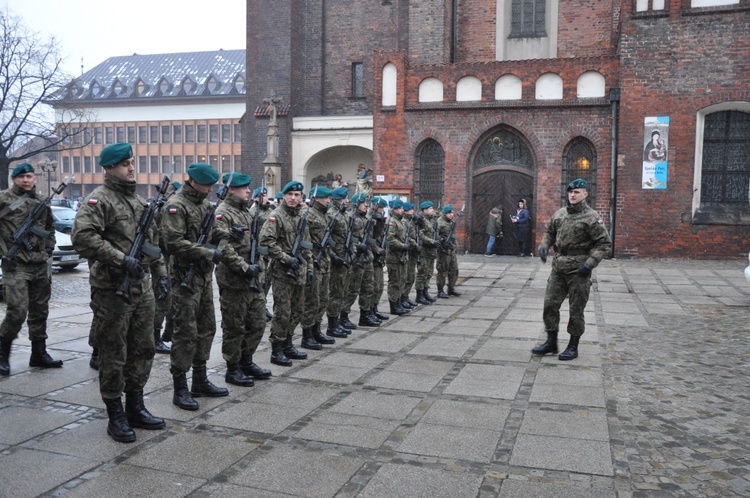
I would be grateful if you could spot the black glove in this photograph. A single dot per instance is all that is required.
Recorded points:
(362, 247)
(543, 253)
(49, 251)
(253, 270)
(337, 261)
(163, 284)
(217, 257)
(237, 233)
(133, 267)
(584, 271)
(310, 278)
(293, 263)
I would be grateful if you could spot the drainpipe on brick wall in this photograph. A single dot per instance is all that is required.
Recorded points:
(614, 99)
(454, 31)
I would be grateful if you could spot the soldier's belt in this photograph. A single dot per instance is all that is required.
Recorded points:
(575, 252)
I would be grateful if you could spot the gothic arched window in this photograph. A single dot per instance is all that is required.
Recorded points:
(429, 173)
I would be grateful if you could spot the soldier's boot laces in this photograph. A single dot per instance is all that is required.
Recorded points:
(291, 352)
(118, 427)
(203, 387)
(182, 397)
(550, 346)
(236, 376)
(159, 345)
(345, 322)
(40, 357)
(378, 314)
(571, 352)
(308, 341)
(277, 355)
(252, 369)
(318, 335)
(5, 357)
(334, 330)
(138, 415)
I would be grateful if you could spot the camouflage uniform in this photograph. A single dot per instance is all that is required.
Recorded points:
(356, 270)
(162, 310)
(428, 255)
(338, 285)
(396, 258)
(447, 263)
(578, 236)
(264, 211)
(316, 298)
(411, 265)
(104, 230)
(367, 287)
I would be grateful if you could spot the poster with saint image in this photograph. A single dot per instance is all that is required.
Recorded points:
(655, 145)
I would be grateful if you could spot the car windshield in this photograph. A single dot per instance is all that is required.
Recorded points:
(64, 214)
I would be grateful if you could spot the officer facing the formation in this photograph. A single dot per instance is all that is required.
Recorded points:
(185, 214)
(27, 278)
(104, 230)
(396, 257)
(426, 264)
(243, 304)
(338, 284)
(447, 263)
(291, 272)
(380, 236)
(580, 241)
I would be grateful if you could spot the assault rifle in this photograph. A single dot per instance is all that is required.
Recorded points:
(379, 259)
(447, 244)
(348, 243)
(365, 240)
(203, 234)
(326, 240)
(299, 244)
(28, 227)
(253, 283)
(418, 243)
(140, 247)
(402, 259)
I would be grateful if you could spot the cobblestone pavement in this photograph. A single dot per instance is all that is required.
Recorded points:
(444, 402)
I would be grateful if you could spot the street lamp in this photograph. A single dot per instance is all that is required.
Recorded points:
(48, 167)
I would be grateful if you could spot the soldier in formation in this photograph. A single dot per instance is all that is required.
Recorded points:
(447, 262)
(339, 262)
(396, 257)
(428, 252)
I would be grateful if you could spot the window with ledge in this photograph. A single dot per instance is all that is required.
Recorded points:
(177, 162)
(237, 133)
(237, 163)
(76, 165)
(201, 134)
(214, 162)
(97, 136)
(650, 5)
(213, 133)
(166, 165)
(358, 80)
(86, 164)
(142, 164)
(131, 134)
(579, 161)
(142, 135)
(120, 134)
(109, 135)
(177, 134)
(153, 162)
(153, 134)
(165, 129)
(430, 172)
(65, 164)
(712, 3)
(226, 164)
(226, 135)
(528, 19)
(189, 134)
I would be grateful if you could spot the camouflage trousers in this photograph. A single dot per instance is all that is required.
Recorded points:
(367, 287)
(447, 269)
(425, 269)
(194, 323)
(355, 281)
(316, 300)
(27, 292)
(243, 321)
(124, 338)
(163, 308)
(411, 275)
(288, 304)
(337, 289)
(378, 285)
(576, 289)
(396, 276)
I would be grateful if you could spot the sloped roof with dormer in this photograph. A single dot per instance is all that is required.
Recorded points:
(218, 73)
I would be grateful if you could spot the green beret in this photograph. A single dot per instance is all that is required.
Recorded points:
(379, 202)
(321, 192)
(339, 193)
(396, 204)
(293, 186)
(578, 183)
(408, 206)
(203, 174)
(260, 191)
(115, 154)
(447, 209)
(279, 195)
(359, 198)
(238, 179)
(426, 205)
(21, 169)
(176, 186)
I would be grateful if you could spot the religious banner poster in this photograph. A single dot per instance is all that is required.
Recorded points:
(655, 160)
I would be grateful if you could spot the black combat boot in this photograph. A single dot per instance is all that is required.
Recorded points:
(421, 299)
(406, 301)
(159, 345)
(428, 296)
(95, 359)
(182, 397)
(40, 357)
(118, 427)
(203, 387)
(345, 322)
(168, 331)
(379, 315)
(236, 376)
(396, 308)
(5, 357)
(291, 352)
(138, 416)
(366, 319)
(252, 369)
(334, 330)
(453, 292)
(571, 352)
(277, 355)
(441, 293)
(548, 347)
(318, 335)
(308, 341)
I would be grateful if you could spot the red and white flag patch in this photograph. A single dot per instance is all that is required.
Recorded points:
(218, 216)
(272, 218)
(93, 202)
(172, 210)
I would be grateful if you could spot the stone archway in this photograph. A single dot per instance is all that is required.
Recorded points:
(339, 159)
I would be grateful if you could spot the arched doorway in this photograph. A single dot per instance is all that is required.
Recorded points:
(503, 173)
(323, 166)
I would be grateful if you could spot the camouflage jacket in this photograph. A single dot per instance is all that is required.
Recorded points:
(10, 223)
(278, 234)
(105, 228)
(427, 234)
(340, 229)
(230, 273)
(396, 238)
(444, 228)
(317, 223)
(578, 236)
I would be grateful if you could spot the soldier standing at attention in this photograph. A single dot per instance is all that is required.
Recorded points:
(243, 304)
(316, 297)
(580, 241)
(163, 309)
(263, 208)
(27, 280)
(447, 263)
(290, 273)
(426, 266)
(396, 257)
(412, 223)
(378, 260)
(103, 233)
(360, 250)
(192, 301)
(365, 257)
(339, 270)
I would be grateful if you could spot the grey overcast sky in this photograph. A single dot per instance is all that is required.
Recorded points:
(99, 29)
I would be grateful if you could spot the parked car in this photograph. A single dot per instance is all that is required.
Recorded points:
(747, 270)
(64, 256)
(63, 218)
(61, 202)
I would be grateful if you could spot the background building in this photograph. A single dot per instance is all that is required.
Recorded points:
(480, 103)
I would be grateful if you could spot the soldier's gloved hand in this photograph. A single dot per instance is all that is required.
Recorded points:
(310, 278)
(237, 233)
(584, 271)
(164, 288)
(253, 270)
(543, 253)
(293, 263)
(337, 261)
(217, 256)
(49, 251)
(361, 247)
(133, 267)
